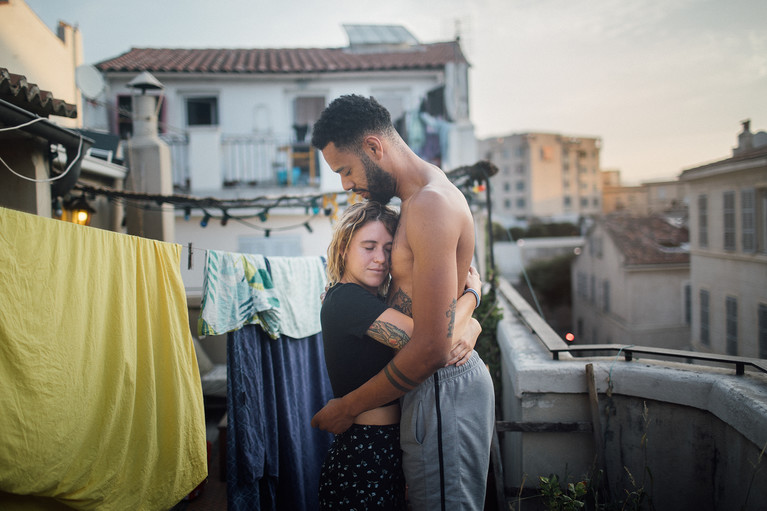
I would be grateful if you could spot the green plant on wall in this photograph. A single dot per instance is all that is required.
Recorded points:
(555, 499)
(489, 314)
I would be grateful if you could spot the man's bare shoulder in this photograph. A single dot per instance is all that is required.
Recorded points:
(436, 200)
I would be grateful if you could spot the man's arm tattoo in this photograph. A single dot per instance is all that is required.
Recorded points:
(396, 384)
(450, 314)
(388, 334)
(402, 302)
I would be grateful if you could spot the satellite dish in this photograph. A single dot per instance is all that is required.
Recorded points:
(89, 81)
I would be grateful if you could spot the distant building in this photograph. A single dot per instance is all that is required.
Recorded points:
(544, 176)
(30, 49)
(630, 283)
(728, 225)
(661, 197)
(40, 111)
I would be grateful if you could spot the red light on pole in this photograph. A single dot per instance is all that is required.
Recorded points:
(569, 337)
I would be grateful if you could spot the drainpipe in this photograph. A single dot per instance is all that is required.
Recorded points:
(12, 115)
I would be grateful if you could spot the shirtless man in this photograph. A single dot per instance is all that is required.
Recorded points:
(447, 412)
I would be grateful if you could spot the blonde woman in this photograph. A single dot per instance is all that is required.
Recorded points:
(363, 468)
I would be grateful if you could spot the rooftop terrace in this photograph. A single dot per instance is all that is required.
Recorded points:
(689, 433)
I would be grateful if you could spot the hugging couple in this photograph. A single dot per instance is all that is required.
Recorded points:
(414, 405)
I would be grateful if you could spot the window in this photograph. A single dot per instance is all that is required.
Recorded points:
(520, 169)
(732, 325)
(202, 111)
(593, 293)
(606, 296)
(702, 221)
(687, 304)
(507, 203)
(582, 285)
(306, 111)
(584, 202)
(521, 203)
(729, 220)
(762, 330)
(748, 217)
(761, 224)
(568, 201)
(520, 186)
(704, 330)
(507, 187)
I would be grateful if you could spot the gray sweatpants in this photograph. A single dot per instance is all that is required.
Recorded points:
(446, 441)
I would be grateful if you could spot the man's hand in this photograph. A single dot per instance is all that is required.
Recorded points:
(464, 346)
(333, 417)
(473, 281)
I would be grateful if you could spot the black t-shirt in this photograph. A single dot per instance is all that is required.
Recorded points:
(352, 358)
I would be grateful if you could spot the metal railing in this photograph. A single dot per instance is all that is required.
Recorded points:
(249, 160)
(252, 160)
(556, 345)
(179, 151)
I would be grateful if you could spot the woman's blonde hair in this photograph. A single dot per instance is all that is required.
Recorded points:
(356, 216)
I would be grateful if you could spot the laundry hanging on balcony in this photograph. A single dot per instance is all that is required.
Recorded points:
(101, 402)
(277, 379)
(282, 294)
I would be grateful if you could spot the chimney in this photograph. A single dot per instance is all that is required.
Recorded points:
(745, 139)
(150, 164)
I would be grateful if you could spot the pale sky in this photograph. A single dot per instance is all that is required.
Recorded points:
(664, 83)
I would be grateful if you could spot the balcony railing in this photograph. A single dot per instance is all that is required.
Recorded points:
(556, 345)
(179, 157)
(249, 161)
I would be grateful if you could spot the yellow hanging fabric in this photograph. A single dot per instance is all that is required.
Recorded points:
(101, 404)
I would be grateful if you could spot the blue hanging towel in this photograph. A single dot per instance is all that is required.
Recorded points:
(274, 456)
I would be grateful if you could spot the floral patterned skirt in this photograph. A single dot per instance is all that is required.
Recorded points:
(363, 470)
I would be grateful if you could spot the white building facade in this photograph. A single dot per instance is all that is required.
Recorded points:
(238, 123)
(629, 284)
(728, 227)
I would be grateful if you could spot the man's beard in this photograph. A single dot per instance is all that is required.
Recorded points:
(380, 185)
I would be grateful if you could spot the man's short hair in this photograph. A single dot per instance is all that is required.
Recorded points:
(347, 119)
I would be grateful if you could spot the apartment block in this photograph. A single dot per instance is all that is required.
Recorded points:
(545, 176)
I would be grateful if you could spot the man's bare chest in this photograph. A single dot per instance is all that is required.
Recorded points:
(401, 270)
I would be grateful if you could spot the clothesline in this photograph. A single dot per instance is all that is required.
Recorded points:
(266, 202)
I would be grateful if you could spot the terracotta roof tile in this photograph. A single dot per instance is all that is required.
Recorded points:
(284, 60)
(648, 240)
(15, 89)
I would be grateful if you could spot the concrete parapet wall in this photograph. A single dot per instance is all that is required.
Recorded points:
(689, 436)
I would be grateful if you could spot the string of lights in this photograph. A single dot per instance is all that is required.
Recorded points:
(314, 204)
